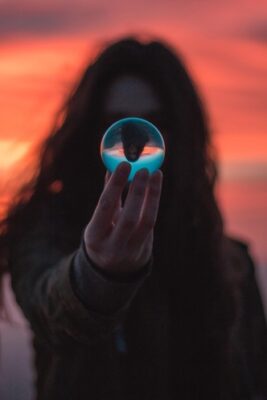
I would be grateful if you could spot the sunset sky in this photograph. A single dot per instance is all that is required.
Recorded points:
(46, 44)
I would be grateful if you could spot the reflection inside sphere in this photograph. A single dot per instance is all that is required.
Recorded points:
(136, 141)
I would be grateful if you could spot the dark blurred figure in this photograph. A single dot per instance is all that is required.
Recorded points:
(110, 320)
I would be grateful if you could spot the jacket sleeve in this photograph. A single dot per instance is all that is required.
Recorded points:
(63, 296)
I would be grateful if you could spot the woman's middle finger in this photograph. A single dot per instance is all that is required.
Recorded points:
(109, 202)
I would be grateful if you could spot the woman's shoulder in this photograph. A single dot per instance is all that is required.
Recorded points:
(241, 272)
(251, 325)
(237, 255)
(241, 245)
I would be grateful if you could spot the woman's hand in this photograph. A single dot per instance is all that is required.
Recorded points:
(120, 239)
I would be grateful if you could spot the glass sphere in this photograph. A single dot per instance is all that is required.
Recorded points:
(134, 140)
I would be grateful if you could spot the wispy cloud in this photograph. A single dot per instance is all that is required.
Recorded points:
(256, 30)
(240, 18)
(49, 19)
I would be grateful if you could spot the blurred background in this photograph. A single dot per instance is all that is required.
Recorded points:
(44, 47)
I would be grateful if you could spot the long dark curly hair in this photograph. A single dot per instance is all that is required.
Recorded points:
(189, 230)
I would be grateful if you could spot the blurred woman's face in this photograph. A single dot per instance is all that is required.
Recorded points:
(131, 96)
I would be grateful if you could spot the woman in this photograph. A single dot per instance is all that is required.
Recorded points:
(111, 319)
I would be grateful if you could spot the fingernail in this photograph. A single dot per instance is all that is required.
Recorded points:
(124, 165)
(143, 173)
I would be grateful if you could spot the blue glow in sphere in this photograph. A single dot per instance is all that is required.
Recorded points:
(134, 140)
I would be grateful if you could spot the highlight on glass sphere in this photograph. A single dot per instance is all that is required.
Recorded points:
(136, 141)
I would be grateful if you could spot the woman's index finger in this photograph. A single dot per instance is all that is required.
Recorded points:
(109, 199)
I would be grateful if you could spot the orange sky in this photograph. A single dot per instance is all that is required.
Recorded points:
(44, 46)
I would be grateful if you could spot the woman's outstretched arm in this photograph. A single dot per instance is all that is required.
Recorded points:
(69, 297)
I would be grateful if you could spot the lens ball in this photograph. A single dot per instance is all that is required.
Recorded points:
(134, 140)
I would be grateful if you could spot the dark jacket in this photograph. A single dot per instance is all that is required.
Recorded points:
(78, 314)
